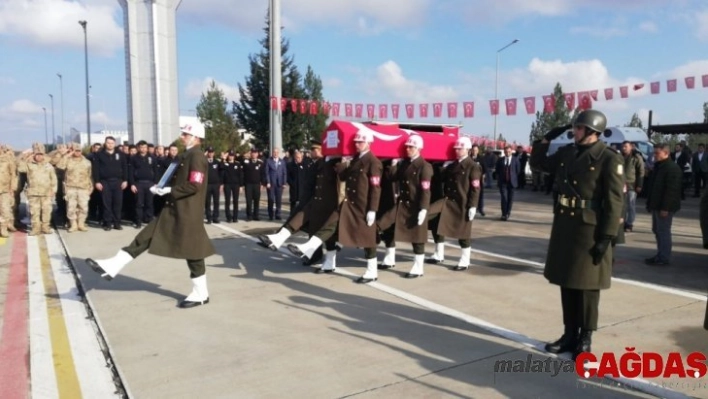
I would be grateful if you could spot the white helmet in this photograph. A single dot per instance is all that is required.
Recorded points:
(415, 141)
(196, 130)
(463, 143)
(364, 136)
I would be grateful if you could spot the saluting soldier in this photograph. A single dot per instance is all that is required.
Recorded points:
(77, 187)
(354, 223)
(41, 189)
(462, 183)
(253, 179)
(590, 180)
(8, 183)
(313, 215)
(179, 231)
(232, 177)
(408, 218)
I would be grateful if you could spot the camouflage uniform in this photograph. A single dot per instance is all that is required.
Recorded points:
(8, 183)
(77, 187)
(41, 186)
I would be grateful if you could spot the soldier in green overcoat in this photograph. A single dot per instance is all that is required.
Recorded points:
(590, 180)
(178, 232)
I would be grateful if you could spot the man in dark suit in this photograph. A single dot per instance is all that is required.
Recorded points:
(300, 191)
(276, 179)
(699, 167)
(681, 157)
(508, 169)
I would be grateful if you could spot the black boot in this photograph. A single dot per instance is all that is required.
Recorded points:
(584, 343)
(566, 343)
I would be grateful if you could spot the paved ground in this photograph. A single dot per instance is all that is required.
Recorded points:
(275, 329)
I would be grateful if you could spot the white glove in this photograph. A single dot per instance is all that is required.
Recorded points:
(160, 191)
(347, 159)
(370, 218)
(446, 164)
(395, 161)
(153, 190)
(470, 213)
(421, 216)
(327, 158)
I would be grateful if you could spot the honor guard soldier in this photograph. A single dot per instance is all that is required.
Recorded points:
(142, 172)
(213, 188)
(590, 180)
(178, 232)
(8, 183)
(253, 179)
(408, 217)
(77, 187)
(313, 215)
(232, 177)
(462, 183)
(41, 188)
(110, 176)
(387, 202)
(354, 224)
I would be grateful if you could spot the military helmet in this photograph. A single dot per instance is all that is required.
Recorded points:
(592, 119)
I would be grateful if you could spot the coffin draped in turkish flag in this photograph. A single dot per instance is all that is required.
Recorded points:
(390, 138)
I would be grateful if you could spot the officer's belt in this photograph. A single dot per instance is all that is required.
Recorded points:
(575, 203)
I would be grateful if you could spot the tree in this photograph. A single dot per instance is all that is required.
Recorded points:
(547, 121)
(314, 125)
(253, 109)
(221, 129)
(705, 112)
(635, 121)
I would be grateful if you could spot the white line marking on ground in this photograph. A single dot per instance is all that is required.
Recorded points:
(638, 384)
(95, 378)
(42, 374)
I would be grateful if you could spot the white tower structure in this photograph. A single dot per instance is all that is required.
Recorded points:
(151, 69)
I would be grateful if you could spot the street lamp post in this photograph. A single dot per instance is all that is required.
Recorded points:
(61, 98)
(46, 134)
(496, 89)
(88, 112)
(54, 136)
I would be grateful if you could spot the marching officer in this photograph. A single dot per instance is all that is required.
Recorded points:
(354, 223)
(462, 183)
(408, 217)
(142, 172)
(590, 181)
(313, 215)
(77, 187)
(213, 188)
(253, 179)
(41, 189)
(178, 232)
(232, 177)
(386, 203)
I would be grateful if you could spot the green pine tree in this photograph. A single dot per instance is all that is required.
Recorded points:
(221, 128)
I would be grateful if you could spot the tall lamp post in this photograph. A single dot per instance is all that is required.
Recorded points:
(88, 109)
(61, 97)
(46, 134)
(54, 136)
(496, 89)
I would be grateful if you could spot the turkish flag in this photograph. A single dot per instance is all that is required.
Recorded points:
(671, 85)
(395, 109)
(494, 107)
(358, 110)
(609, 93)
(348, 110)
(314, 107)
(510, 106)
(655, 87)
(410, 111)
(326, 107)
(274, 102)
(303, 106)
(293, 105)
(690, 82)
(335, 109)
(383, 111)
(283, 104)
(530, 103)
(570, 100)
(452, 110)
(593, 94)
(549, 103)
(370, 111)
(584, 100)
(469, 109)
(423, 110)
(437, 110)
(638, 86)
(705, 80)
(624, 91)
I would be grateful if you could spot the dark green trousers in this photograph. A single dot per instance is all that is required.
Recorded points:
(329, 234)
(466, 243)
(141, 243)
(580, 308)
(388, 236)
